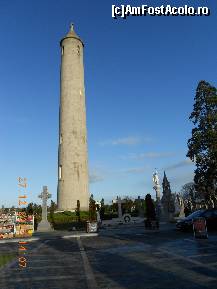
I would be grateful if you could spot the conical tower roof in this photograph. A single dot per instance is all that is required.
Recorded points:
(165, 178)
(71, 34)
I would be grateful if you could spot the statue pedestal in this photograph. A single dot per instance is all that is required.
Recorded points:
(44, 226)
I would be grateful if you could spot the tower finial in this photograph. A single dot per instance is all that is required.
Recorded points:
(71, 27)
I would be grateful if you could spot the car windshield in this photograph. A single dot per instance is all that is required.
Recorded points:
(195, 214)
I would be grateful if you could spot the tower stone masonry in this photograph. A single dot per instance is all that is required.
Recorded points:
(72, 154)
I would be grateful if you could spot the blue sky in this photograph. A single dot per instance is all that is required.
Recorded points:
(140, 76)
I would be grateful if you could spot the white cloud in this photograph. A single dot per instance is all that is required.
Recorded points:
(150, 155)
(99, 175)
(184, 163)
(130, 140)
(95, 177)
(179, 180)
(136, 170)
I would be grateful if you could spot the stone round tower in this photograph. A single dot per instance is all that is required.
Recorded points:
(72, 155)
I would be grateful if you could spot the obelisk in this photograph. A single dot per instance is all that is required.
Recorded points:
(72, 155)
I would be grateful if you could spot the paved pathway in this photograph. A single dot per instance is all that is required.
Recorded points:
(124, 258)
(52, 264)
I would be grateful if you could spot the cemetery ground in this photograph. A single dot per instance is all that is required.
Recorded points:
(121, 257)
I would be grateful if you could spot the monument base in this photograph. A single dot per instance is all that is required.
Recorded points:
(44, 226)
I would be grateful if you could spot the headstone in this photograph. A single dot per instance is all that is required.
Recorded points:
(120, 202)
(119, 208)
(215, 201)
(179, 206)
(210, 203)
(98, 217)
(200, 228)
(44, 225)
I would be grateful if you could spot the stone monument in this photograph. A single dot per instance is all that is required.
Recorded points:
(179, 206)
(44, 225)
(120, 202)
(72, 154)
(167, 200)
(156, 187)
(126, 217)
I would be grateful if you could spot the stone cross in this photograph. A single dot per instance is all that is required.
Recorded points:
(44, 225)
(45, 195)
(120, 202)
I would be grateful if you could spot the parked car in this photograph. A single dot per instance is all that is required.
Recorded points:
(210, 215)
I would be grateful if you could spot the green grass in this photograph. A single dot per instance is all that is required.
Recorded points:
(4, 259)
(67, 220)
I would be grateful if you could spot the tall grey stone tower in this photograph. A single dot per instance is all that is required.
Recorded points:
(72, 155)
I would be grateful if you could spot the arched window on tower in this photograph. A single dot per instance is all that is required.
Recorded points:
(60, 173)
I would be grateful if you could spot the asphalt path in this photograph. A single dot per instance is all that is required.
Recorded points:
(125, 257)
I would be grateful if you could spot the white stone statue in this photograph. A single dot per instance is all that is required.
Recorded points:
(179, 205)
(156, 182)
(155, 179)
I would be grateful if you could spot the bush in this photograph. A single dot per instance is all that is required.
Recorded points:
(67, 220)
(135, 213)
(79, 226)
(109, 216)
